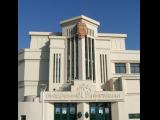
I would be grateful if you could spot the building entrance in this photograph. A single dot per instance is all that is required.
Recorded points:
(65, 111)
(100, 111)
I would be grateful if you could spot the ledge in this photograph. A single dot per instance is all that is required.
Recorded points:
(80, 17)
(57, 37)
(126, 51)
(111, 35)
(45, 33)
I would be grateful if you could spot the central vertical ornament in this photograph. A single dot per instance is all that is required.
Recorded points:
(84, 91)
(81, 29)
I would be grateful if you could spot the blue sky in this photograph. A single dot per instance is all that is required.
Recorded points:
(115, 16)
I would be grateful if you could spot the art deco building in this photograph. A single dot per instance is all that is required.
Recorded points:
(78, 74)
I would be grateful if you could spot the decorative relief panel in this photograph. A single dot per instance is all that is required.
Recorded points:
(83, 92)
(81, 30)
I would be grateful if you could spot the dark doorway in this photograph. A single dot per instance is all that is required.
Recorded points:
(100, 111)
(65, 111)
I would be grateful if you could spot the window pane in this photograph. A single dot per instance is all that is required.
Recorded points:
(100, 110)
(86, 56)
(72, 42)
(135, 67)
(93, 59)
(134, 116)
(68, 59)
(93, 110)
(64, 108)
(58, 110)
(77, 75)
(107, 110)
(120, 67)
(23, 117)
(72, 110)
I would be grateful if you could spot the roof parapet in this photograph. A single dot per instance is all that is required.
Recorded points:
(80, 17)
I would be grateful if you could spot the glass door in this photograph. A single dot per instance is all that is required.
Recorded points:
(93, 111)
(65, 111)
(100, 111)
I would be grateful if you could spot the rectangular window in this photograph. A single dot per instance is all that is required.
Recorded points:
(68, 59)
(77, 62)
(120, 67)
(86, 56)
(101, 67)
(135, 67)
(72, 58)
(59, 67)
(72, 108)
(23, 117)
(72, 51)
(93, 110)
(134, 116)
(67, 32)
(93, 59)
(90, 67)
(54, 68)
(106, 66)
(89, 58)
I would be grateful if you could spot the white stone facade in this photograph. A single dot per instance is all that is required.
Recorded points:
(68, 80)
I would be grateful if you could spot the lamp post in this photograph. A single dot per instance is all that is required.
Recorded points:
(43, 89)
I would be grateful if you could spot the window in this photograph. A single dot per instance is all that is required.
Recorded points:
(120, 67)
(72, 58)
(67, 32)
(89, 58)
(134, 116)
(68, 59)
(23, 117)
(77, 62)
(135, 67)
(86, 56)
(57, 110)
(93, 59)
(103, 67)
(90, 67)
(93, 110)
(56, 67)
(72, 109)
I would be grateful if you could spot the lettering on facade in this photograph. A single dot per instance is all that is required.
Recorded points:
(84, 92)
(86, 95)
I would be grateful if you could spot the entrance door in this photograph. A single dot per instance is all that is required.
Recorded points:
(100, 111)
(65, 111)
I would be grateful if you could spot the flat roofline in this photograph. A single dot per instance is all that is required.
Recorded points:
(80, 17)
(44, 33)
(111, 35)
(126, 51)
(39, 33)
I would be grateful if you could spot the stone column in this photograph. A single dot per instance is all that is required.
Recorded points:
(119, 111)
(49, 111)
(128, 68)
(81, 50)
(83, 108)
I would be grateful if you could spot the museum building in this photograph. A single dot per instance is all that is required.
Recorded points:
(78, 74)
